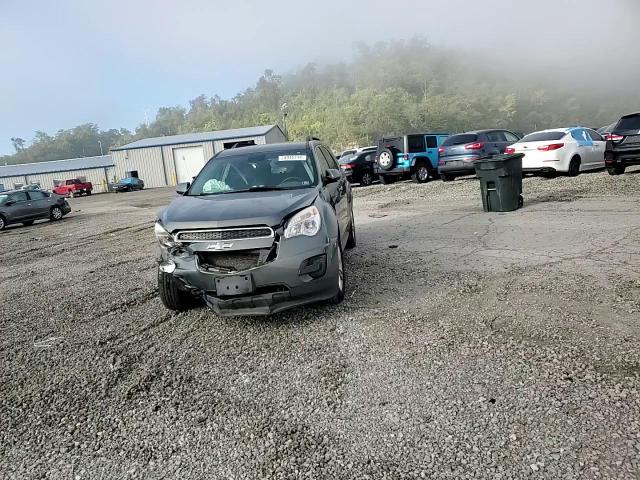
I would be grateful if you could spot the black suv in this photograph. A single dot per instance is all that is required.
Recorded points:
(623, 144)
(459, 152)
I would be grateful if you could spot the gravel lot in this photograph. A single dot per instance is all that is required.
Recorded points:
(471, 345)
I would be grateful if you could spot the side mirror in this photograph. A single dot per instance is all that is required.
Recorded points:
(332, 175)
(9, 203)
(182, 188)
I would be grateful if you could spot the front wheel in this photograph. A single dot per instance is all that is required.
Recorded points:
(339, 297)
(56, 214)
(616, 170)
(351, 240)
(88, 193)
(3, 223)
(171, 295)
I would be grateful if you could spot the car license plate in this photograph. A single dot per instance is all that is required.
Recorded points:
(234, 285)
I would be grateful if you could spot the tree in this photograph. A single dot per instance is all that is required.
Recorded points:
(18, 143)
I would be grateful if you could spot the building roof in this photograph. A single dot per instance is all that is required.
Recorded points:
(84, 163)
(198, 137)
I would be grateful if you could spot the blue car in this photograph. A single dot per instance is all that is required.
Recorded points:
(128, 184)
(412, 156)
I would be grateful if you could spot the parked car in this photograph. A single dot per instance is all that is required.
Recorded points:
(459, 152)
(414, 156)
(623, 144)
(73, 187)
(567, 150)
(32, 186)
(359, 167)
(261, 229)
(128, 184)
(27, 206)
(355, 151)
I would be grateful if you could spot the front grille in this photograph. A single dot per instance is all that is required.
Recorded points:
(232, 262)
(213, 235)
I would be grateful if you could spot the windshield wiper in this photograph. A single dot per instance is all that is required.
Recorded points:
(259, 188)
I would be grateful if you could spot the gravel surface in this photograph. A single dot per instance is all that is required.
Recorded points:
(470, 345)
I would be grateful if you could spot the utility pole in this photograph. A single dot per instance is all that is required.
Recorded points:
(100, 143)
(284, 111)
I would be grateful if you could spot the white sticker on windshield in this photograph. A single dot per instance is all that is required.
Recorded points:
(292, 158)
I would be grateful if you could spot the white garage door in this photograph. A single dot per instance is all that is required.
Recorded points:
(189, 162)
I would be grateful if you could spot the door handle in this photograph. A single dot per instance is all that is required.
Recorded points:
(28, 204)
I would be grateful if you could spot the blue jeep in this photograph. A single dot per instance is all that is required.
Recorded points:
(414, 156)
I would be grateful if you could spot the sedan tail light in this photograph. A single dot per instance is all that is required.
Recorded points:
(346, 166)
(474, 146)
(553, 146)
(509, 150)
(614, 138)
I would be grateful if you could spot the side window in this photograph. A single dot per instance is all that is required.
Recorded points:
(416, 143)
(511, 138)
(331, 161)
(322, 162)
(496, 137)
(37, 195)
(432, 141)
(19, 197)
(370, 157)
(595, 136)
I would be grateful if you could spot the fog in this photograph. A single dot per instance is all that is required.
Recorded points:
(74, 61)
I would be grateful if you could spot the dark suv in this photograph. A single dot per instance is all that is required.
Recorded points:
(458, 152)
(623, 144)
(261, 229)
(414, 156)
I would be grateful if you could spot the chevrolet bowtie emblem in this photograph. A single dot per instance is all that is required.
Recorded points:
(220, 246)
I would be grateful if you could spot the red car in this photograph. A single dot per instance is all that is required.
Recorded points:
(73, 187)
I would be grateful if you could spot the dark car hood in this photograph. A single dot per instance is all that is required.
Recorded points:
(234, 209)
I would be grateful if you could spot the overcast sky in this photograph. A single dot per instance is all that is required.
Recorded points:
(67, 62)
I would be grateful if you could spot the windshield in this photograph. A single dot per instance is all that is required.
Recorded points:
(3, 199)
(543, 137)
(346, 158)
(273, 170)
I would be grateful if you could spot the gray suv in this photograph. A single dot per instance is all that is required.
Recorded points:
(459, 152)
(261, 229)
(27, 206)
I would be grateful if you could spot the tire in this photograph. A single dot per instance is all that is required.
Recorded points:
(574, 167)
(422, 173)
(172, 297)
(616, 170)
(339, 297)
(72, 194)
(386, 179)
(386, 159)
(3, 223)
(366, 179)
(88, 193)
(351, 241)
(28, 224)
(55, 214)
(447, 177)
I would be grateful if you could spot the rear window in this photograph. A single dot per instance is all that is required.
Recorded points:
(543, 137)
(460, 139)
(628, 123)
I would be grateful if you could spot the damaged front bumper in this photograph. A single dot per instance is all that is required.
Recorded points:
(256, 276)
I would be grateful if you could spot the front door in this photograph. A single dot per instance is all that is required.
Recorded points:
(21, 208)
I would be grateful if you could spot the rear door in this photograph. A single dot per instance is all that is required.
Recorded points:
(495, 142)
(585, 147)
(510, 138)
(599, 147)
(41, 203)
(417, 147)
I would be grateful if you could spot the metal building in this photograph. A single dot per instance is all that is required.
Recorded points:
(163, 161)
(97, 170)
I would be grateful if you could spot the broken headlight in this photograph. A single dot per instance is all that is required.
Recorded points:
(164, 237)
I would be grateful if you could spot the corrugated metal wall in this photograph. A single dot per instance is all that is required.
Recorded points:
(46, 180)
(148, 163)
(275, 136)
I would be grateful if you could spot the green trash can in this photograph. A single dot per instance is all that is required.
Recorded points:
(501, 182)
